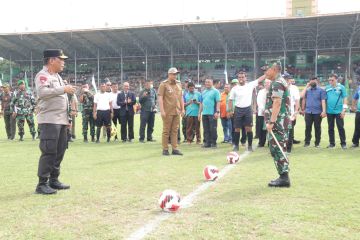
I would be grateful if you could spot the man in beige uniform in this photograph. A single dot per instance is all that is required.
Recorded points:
(53, 120)
(171, 107)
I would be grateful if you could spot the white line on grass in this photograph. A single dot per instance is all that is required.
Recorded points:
(152, 224)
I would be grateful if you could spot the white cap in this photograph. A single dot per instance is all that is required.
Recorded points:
(173, 70)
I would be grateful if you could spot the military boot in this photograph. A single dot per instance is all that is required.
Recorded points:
(56, 184)
(85, 139)
(44, 188)
(92, 138)
(33, 136)
(21, 138)
(282, 181)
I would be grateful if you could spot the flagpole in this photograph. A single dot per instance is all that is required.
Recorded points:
(31, 71)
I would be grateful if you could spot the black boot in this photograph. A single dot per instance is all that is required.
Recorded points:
(33, 136)
(85, 138)
(43, 187)
(92, 138)
(56, 184)
(282, 181)
(21, 138)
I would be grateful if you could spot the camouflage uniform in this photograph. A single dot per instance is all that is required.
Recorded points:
(282, 125)
(87, 114)
(10, 124)
(23, 104)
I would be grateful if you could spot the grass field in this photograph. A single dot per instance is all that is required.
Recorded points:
(115, 189)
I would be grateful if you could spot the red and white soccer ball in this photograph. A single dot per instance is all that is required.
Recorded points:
(169, 201)
(211, 173)
(232, 157)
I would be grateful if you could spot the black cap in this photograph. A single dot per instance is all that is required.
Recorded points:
(48, 53)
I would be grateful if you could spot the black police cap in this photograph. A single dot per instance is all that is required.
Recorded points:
(48, 53)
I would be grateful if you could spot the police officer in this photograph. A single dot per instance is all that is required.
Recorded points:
(87, 100)
(171, 107)
(22, 108)
(277, 117)
(53, 120)
(5, 99)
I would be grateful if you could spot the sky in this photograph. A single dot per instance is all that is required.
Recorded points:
(45, 15)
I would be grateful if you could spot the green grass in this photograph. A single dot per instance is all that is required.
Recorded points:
(115, 189)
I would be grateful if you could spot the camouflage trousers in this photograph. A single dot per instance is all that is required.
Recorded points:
(281, 163)
(21, 122)
(88, 120)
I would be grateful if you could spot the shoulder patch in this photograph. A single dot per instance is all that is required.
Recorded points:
(43, 79)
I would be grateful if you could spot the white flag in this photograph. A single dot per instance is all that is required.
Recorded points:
(93, 83)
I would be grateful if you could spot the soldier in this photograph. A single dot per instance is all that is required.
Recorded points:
(10, 123)
(277, 117)
(53, 119)
(22, 108)
(72, 111)
(171, 107)
(87, 100)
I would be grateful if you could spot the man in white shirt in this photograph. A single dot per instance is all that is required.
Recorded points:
(261, 101)
(242, 95)
(103, 111)
(116, 108)
(294, 107)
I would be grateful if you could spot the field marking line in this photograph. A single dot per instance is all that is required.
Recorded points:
(186, 202)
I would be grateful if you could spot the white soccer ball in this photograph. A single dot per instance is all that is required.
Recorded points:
(232, 157)
(211, 173)
(169, 201)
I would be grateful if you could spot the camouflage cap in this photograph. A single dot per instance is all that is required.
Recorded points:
(5, 85)
(234, 81)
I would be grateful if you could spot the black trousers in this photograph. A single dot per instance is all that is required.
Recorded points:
(116, 117)
(310, 120)
(53, 143)
(210, 129)
(127, 121)
(291, 136)
(146, 118)
(258, 126)
(340, 126)
(356, 136)
(262, 133)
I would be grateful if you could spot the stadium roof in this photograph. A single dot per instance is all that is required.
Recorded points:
(326, 32)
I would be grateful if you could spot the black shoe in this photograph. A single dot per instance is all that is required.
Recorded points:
(142, 141)
(213, 146)
(56, 184)
(317, 145)
(206, 146)
(97, 141)
(21, 138)
(73, 136)
(250, 149)
(296, 142)
(85, 139)
(354, 145)
(176, 152)
(343, 146)
(108, 140)
(92, 139)
(151, 140)
(307, 145)
(44, 188)
(331, 146)
(282, 181)
(165, 153)
(124, 141)
(236, 148)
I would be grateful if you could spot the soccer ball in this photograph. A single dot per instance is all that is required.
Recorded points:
(169, 201)
(113, 131)
(232, 157)
(211, 173)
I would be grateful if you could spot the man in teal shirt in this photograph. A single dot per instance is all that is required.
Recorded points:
(336, 103)
(210, 110)
(192, 102)
(356, 108)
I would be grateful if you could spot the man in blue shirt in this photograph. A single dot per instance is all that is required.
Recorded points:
(192, 102)
(356, 108)
(336, 106)
(210, 110)
(314, 108)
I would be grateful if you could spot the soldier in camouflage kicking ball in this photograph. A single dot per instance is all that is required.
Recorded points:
(277, 117)
(22, 108)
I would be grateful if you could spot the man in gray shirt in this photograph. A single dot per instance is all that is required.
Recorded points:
(53, 120)
(147, 99)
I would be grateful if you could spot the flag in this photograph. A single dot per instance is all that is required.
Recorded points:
(93, 83)
(26, 82)
(1, 79)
